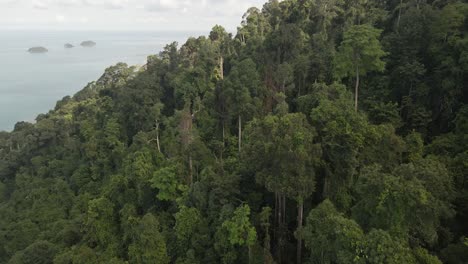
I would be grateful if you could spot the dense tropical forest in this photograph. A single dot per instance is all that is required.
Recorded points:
(323, 131)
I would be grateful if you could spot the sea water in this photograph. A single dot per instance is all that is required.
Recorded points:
(31, 84)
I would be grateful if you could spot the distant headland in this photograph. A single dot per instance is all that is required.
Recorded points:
(38, 50)
(68, 46)
(88, 43)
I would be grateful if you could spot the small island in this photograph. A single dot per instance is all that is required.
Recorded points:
(68, 46)
(38, 50)
(88, 44)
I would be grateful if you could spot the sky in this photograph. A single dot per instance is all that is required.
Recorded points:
(157, 15)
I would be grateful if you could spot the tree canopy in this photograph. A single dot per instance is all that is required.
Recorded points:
(246, 147)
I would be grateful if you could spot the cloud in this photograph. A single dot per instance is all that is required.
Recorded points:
(41, 5)
(105, 4)
(68, 3)
(128, 14)
(47, 4)
(60, 18)
(201, 7)
(9, 3)
(112, 6)
(162, 5)
(212, 8)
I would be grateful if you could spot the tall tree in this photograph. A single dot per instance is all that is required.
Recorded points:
(241, 85)
(341, 132)
(241, 232)
(221, 40)
(360, 52)
(284, 155)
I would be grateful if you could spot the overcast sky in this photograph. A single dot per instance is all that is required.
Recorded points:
(123, 14)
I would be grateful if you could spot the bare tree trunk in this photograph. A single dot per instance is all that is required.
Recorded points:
(302, 85)
(266, 248)
(325, 186)
(224, 131)
(276, 212)
(399, 14)
(284, 209)
(299, 90)
(240, 133)
(280, 230)
(278, 55)
(300, 214)
(356, 95)
(221, 67)
(190, 169)
(157, 136)
(280, 210)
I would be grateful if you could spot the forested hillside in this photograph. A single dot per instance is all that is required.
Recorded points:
(323, 131)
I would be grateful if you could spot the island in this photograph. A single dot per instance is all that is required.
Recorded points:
(88, 44)
(38, 50)
(68, 46)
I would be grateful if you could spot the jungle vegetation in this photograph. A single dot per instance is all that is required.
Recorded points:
(323, 131)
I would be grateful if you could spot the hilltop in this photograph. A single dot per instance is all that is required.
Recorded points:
(321, 132)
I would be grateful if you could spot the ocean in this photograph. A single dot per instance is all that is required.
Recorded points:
(31, 84)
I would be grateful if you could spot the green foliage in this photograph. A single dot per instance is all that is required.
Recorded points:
(414, 146)
(283, 153)
(19, 235)
(455, 253)
(241, 232)
(360, 52)
(167, 181)
(401, 202)
(148, 164)
(40, 252)
(388, 201)
(187, 221)
(424, 257)
(100, 225)
(380, 247)
(331, 237)
(342, 136)
(3, 192)
(382, 146)
(78, 255)
(148, 245)
(241, 83)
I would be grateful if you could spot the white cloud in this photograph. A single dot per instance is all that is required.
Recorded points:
(9, 3)
(38, 4)
(125, 14)
(161, 5)
(67, 3)
(60, 18)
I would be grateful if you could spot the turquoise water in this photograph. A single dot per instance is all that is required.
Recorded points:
(31, 84)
